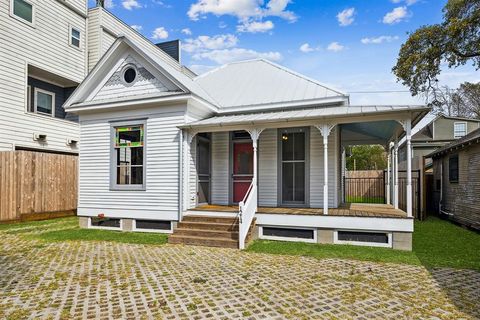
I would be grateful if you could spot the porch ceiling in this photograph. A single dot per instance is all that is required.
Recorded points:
(377, 132)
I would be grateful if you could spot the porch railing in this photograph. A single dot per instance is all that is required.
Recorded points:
(247, 210)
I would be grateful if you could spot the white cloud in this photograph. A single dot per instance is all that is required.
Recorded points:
(136, 27)
(109, 4)
(345, 17)
(407, 2)
(250, 13)
(396, 15)
(255, 26)
(131, 4)
(160, 33)
(236, 54)
(187, 31)
(204, 43)
(335, 47)
(378, 40)
(307, 48)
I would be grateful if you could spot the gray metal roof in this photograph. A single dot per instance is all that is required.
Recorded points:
(261, 82)
(304, 114)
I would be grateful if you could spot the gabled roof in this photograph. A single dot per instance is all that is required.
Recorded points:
(260, 82)
(153, 55)
(472, 137)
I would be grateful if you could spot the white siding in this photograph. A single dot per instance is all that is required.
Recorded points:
(267, 168)
(316, 168)
(161, 198)
(46, 46)
(220, 170)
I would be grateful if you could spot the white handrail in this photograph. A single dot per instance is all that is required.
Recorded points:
(247, 209)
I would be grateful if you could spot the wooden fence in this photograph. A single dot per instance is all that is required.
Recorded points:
(36, 183)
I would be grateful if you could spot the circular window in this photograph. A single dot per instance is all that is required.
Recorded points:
(129, 74)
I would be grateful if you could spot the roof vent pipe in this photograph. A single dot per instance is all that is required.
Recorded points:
(101, 3)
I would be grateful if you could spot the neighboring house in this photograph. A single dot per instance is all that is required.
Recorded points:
(427, 137)
(47, 48)
(164, 150)
(456, 173)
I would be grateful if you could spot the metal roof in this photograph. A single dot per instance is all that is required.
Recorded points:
(261, 82)
(305, 114)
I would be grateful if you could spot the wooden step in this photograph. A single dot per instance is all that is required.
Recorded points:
(202, 241)
(207, 233)
(196, 218)
(207, 226)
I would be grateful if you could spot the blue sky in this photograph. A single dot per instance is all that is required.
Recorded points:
(348, 44)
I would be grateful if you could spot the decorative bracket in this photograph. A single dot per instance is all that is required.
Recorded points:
(255, 133)
(325, 129)
(188, 135)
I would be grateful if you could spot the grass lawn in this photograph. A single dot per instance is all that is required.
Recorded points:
(360, 199)
(67, 229)
(436, 243)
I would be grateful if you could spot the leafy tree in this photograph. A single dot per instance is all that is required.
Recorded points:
(367, 157)
(455, 42)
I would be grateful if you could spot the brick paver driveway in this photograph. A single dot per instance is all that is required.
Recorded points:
(112, 280)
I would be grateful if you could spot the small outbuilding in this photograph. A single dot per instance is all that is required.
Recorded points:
(456, 171)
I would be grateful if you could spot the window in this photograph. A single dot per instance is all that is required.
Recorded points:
(153, 226)
(129, 74)
(459, 129)
(75, 37)
(107, 223)
(129, 157)
(363, 238)
(288, 234)
(22, 9)
(44, 102)
(453, 168)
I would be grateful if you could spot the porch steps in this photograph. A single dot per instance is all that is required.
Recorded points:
(207, 231)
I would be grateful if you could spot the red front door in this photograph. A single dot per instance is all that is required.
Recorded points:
(242, 169)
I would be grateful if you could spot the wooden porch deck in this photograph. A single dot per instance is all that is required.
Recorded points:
(347, 210)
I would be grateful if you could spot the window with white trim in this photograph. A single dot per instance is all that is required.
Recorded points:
(75, 36)
(459, 129)
(44, 102)
(22, 9)
(129, 157)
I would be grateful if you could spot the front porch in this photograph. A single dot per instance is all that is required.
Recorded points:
(345, 210)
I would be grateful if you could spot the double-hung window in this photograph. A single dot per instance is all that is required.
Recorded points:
(128, 161)
(75, 37)
(22, 10)
(453, 168)
(459, 129)
(44, 102)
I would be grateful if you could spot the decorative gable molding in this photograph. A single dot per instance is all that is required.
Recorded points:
(145, 84)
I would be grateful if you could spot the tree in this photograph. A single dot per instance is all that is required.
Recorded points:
(367, 157)
(467, 100)
(455, 41)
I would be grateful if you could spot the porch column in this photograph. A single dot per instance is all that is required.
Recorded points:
(255, 134)
(325, 130)
(344, 165)
(187, 142)
(395, 155)
(389, 159)
(408, 133)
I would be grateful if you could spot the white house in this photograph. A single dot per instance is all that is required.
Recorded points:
(248, 149)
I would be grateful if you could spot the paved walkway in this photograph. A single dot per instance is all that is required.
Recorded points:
(111, 281)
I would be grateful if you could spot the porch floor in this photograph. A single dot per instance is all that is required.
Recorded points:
(348, 209)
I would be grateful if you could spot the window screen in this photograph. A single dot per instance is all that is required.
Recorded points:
(288, 233)
(105, 222)
(453, 168)
(153, 225)
(375, 237)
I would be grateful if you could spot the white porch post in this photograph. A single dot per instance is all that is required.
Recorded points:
(389, 159)
(408, 133)
(187, 142)
(395, 155)
(344, 165)
(325, 130)
(255, 135)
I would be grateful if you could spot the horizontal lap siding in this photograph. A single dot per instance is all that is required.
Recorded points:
(316, 168)
(45, 46)
(220, 168)
(267, 168)
(162, 152)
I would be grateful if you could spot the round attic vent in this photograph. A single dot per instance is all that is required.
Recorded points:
(129, 74)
